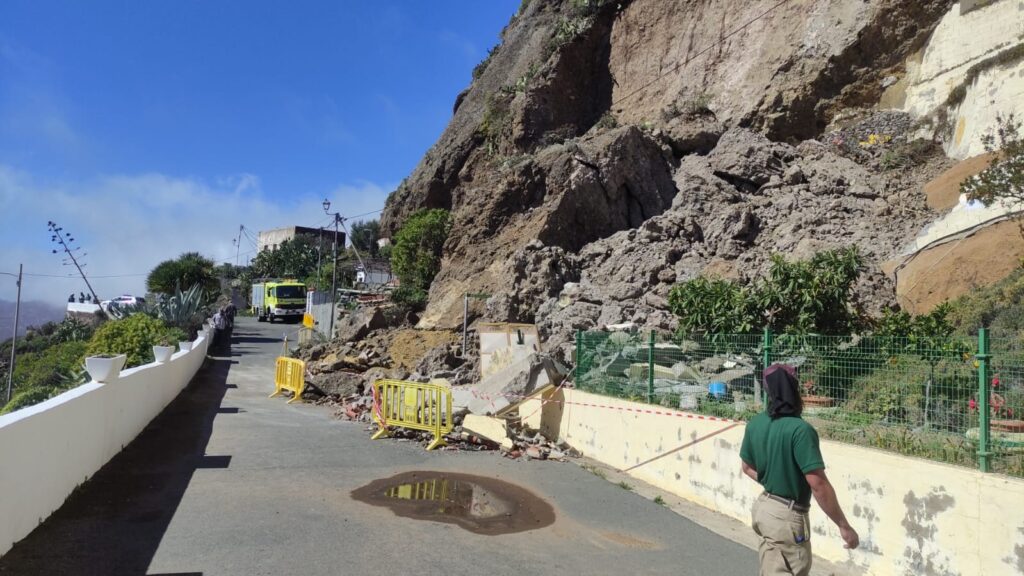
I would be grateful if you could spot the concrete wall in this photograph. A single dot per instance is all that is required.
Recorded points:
(48, 449)
(962, 39)
(914, 516)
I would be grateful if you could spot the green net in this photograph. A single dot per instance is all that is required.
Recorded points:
(914, 396)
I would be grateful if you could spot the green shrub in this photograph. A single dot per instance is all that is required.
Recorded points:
(416, 255)
(713, 306)
(28, 397)
(134, 336)
(189, 269)
(478, 70)
(49, 368)
(999, 306)
(801, 297)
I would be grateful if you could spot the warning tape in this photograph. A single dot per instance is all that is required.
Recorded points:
(650, 411)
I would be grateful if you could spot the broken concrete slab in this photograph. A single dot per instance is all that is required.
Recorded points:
(513, 383)
(489, 428)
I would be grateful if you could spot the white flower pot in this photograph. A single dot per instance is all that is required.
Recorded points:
(163, 353)
(185, 346)
(104, 369)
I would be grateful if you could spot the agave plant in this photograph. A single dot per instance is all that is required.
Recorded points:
(185, 310)
(121, 311)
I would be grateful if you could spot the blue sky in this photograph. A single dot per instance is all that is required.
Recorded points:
(152, 128)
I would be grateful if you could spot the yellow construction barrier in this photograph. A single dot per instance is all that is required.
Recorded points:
(290, 375)
(413, 405)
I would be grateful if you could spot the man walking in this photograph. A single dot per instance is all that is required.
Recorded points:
(780, 452)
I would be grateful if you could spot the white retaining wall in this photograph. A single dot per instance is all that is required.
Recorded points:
(914, 516)
(47, 450)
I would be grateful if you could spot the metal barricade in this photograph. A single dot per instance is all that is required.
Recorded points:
(413, 405)
(290, 375)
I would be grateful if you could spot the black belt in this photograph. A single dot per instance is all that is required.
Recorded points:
(791, 504)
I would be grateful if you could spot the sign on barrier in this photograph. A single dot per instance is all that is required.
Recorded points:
(290, 375)
(413, 405)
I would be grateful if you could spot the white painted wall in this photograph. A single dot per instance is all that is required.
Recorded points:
(914, 516)
(47, 450)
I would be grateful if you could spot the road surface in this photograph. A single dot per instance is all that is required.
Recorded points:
(229, 482)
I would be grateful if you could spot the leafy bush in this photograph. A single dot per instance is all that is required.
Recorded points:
(806, 296)
(416, 255)
(411, 298)
(189, 269)
(999, 306)
(135, 336)
(28, 397)
(41, 375)
(49, 368)
(478, 70)
(713, 306)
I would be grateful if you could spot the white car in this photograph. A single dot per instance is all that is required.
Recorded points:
(125, 300)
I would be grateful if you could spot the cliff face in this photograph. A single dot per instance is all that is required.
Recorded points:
(620, 147)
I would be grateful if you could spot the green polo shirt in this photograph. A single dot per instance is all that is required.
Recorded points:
(782, 451)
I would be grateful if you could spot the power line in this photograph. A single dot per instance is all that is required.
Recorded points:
(366, 214)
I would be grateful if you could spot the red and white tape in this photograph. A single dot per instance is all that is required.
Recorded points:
(650, 411)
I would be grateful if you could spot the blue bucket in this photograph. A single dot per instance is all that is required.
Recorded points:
(717, 389)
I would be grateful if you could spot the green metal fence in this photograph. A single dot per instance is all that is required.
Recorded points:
(957, 400)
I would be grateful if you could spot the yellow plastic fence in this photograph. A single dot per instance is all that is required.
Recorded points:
(435, 489)
(290, 375)
(413, 405)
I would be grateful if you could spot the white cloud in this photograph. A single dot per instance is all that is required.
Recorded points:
(129, 223)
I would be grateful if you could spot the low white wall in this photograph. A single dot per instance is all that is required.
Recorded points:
(47, 450)
(914, 516)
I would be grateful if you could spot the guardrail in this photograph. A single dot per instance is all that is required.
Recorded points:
(412, 405)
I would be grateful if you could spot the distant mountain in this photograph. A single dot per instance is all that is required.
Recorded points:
(33, 313)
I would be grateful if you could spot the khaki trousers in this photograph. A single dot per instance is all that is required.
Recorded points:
(785, 538)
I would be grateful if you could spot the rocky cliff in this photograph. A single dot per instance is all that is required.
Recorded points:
(607, 150)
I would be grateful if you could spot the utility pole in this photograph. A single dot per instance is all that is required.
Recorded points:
(58, 236)
(238, 243)
(334, 267)
(14, 337)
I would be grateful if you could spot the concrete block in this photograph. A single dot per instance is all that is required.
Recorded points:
(488, 427)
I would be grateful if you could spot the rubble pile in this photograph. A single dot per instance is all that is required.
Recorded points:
(746, 200)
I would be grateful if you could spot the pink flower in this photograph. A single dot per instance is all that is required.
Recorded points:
(973, 404)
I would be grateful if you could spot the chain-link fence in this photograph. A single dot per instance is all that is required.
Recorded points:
(952, 399)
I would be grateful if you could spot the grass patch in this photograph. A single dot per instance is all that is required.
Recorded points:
(625, 485)
(660, 501)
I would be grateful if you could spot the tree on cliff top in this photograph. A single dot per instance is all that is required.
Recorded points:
(416, 255)
(187, 270)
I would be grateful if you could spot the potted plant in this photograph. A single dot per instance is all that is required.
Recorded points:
(811, 399)
(163, 350)
(185, 345)
(105, 367)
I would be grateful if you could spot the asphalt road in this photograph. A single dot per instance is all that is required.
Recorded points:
(229, 482)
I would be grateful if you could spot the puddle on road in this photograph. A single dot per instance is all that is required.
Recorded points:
(478, 504)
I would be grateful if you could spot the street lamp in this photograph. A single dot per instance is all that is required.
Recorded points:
(334, 266)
